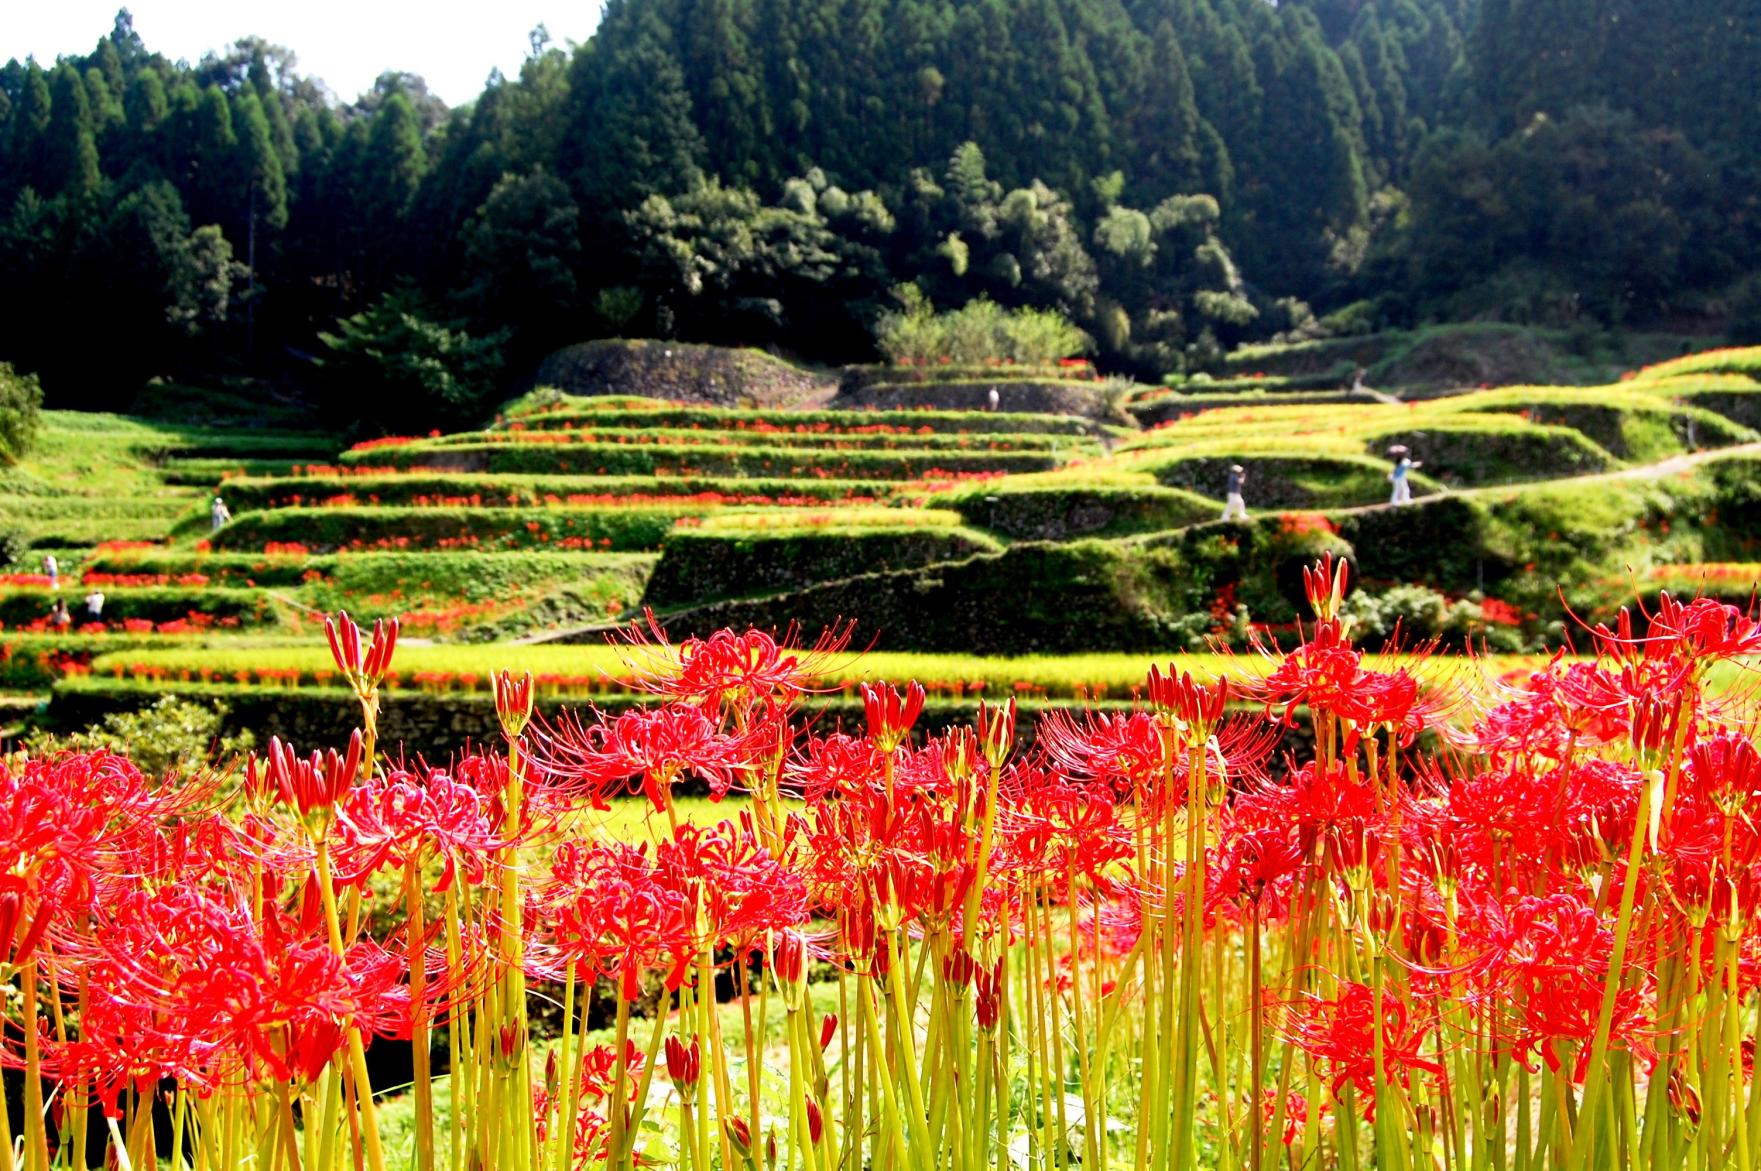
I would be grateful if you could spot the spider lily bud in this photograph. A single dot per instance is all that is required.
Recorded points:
(989, 983)
(958, 968)
(790, 960)
(12, 915)
(513, 702)
(891, 715)
(815, 1122)
(1187, 700)
(996, 731)
(739, 1134)
(828, 1028)
(683, 1064)
(313, 785)
(363, 671)
(1324, 584)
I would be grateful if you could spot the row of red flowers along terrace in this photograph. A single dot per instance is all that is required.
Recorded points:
(1479, 930)
(515, 498)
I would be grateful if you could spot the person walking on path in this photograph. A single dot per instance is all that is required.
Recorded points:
(1234, 505)
(52, 570)
(218, 513)
(59, 616)
(1401, 475)
(95, 605)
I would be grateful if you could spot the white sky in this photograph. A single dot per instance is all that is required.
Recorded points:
(344, 43)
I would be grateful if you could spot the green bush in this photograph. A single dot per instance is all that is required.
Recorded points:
(169, 735)
(397, 364)
(21, 407)
(701, 566)
(979, 331)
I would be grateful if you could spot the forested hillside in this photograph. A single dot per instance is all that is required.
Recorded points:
(1178, 176)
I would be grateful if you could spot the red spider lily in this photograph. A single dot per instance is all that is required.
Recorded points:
(835, 765)
(728, 667)
(1541, 972)
(1703, 629)
(658, 745)
(609, 912)
(891, 715)
(313, 785)
(513, 703)
(363, 672)
(1323, 674)
(1341, 1031)
(1727, 769)
(401, 817)
(742, 892)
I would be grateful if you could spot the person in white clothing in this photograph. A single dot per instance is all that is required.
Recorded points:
(1401, 475)
(1234, 505)
(52, 570)
(218, 513)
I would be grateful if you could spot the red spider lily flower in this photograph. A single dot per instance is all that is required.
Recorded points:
(1703, 629)
(513, 703)
(683, 1064)
(658, 745)
(363, 672)
(834, 765)
(1540, 975)
(891, 715)
(728, 667)
(741, 891)
(1321, 673)
(14, 911)
(401, 817)
(1296, 1114)
(313, 785)
(610, 913)
(1341, 1032)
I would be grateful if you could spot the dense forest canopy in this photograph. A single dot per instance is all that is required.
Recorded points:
(1176, 176)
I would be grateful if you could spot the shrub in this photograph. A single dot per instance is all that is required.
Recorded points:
(171, 735)
(395, 364)
(21, 405)
(979, 331)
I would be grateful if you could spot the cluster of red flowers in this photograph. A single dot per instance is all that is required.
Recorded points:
(1441, 889)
